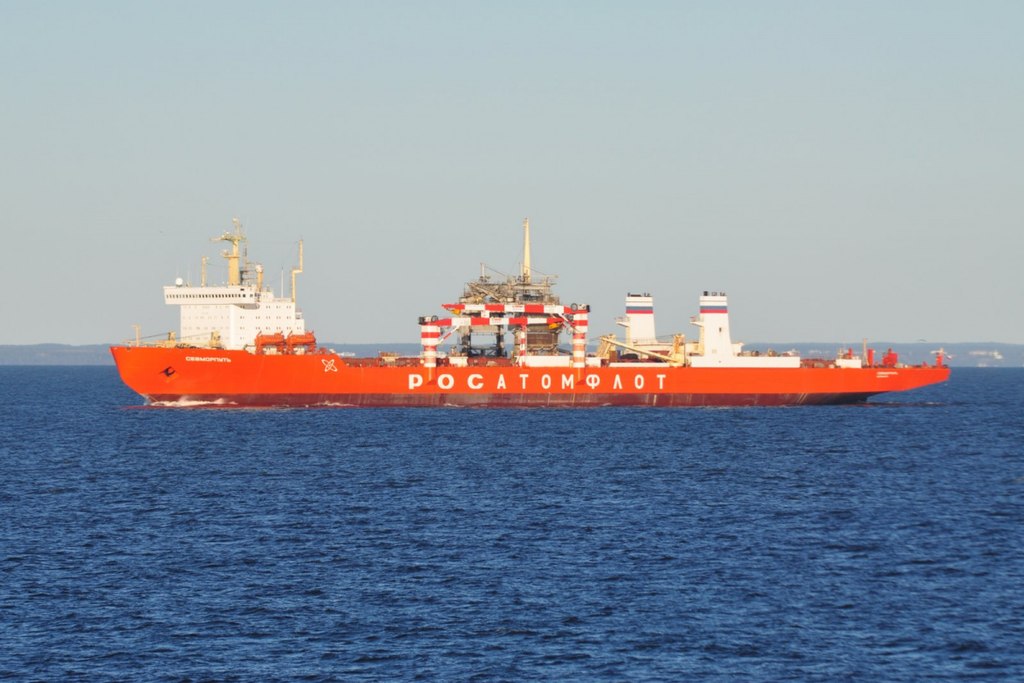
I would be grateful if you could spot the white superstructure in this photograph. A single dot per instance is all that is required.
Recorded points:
(231, 315)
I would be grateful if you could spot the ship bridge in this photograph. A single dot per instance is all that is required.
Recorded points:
(231, 315)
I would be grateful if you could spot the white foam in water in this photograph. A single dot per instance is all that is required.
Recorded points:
(185, 403)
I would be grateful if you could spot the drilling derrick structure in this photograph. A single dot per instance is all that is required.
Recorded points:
(525, 288)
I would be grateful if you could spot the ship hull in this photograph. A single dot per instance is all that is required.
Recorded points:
(190, 376)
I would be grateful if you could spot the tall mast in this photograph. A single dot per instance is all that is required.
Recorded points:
(526, 250)
(236, 238)
(296, 271)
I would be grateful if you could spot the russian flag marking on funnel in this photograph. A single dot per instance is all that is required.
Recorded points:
(714, 309)
(639, 310)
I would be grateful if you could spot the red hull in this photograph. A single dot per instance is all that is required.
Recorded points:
(184, 376)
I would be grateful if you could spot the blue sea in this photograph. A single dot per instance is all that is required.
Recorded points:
(878, 542)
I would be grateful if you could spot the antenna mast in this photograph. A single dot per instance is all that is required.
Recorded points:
(526, 250)
(296, 271)
(236, 237)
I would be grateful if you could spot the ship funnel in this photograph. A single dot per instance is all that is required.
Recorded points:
(713, 321)
(639, 322)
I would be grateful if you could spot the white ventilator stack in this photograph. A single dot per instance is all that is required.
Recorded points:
(716, 349)
(639, 320)
(713, 320)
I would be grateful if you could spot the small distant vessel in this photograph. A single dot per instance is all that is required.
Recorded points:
(241, 345)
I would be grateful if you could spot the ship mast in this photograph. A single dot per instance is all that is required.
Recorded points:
(296, 271)
(235, 238)
(526, 251)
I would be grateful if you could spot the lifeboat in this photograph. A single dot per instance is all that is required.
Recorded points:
(301, 342)
(270, 343)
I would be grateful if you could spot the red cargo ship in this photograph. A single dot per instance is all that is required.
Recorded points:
(240, 345)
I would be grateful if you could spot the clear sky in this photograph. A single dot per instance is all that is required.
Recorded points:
(841, 169)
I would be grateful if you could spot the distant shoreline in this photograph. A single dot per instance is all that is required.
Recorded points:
(963, 354)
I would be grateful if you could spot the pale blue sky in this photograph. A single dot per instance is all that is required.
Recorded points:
(842, 170)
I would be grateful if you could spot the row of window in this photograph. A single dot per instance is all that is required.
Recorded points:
(210, 296)
(241, 330)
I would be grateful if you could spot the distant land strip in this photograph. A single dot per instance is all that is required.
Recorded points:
(961, 354)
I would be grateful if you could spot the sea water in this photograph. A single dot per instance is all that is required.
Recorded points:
(868, 542)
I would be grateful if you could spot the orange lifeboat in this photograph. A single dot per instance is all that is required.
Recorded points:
(270, 343)
(301, 342)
